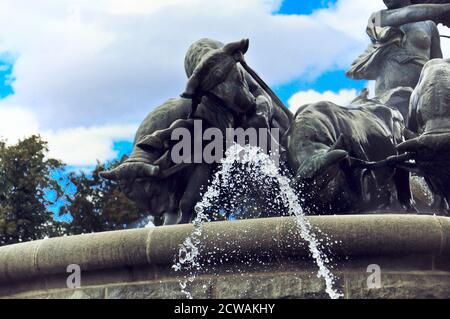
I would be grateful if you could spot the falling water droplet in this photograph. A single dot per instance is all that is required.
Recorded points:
(262, 166)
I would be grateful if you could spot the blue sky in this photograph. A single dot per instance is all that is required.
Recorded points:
(334, 80)
(330, 80)
(303, 6)
(5, 75)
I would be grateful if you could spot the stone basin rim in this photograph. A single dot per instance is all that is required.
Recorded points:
(359, 235)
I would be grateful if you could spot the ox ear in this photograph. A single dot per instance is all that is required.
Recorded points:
(237, 47)
(339, 144)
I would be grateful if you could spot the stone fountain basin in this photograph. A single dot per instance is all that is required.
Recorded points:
(261, 258)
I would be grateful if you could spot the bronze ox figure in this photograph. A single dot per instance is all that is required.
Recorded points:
(222, 92)
(326, 144)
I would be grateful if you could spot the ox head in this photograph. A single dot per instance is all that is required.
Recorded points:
(138, 181)
(322, 169)
(431, 154)
(322, 178)
(219, 76)
(428, 148)
(322, 160)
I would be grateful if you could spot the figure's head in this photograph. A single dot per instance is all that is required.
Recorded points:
(214, 71)
(395, 4)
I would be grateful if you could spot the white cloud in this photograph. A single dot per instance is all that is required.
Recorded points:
(84, 146)
(81, 146)
(343, 97)
(350, 16)
(90, 63)
(17, 122)
(138, 6)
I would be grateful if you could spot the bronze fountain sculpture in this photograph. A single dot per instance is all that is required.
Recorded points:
(357, 160)
(342, 159)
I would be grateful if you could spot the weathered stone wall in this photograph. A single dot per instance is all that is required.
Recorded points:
(262, 258)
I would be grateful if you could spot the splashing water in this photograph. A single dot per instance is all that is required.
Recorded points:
(188, 256)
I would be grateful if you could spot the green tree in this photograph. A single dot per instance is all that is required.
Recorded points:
(98, 204)
(27, 179)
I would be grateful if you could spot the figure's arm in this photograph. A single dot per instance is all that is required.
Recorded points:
(436, 50)
(411, 14)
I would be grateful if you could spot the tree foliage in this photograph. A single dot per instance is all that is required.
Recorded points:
(28, 187)
(35, 188)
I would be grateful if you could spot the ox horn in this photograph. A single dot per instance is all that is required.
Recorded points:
(131, 170)
(234, 47)
(409, 146)
(111, 175)
(150, 142)
(333, 157)
(330, 158)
